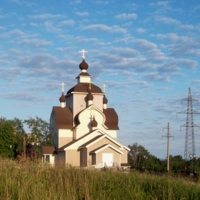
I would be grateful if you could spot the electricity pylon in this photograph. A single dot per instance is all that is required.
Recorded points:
(189, 135)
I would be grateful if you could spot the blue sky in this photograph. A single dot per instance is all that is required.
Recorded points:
(146, 52)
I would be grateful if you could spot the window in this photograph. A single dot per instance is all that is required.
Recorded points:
(47, 158)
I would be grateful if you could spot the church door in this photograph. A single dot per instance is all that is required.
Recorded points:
(108, 159)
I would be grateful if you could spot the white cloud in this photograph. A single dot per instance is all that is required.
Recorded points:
(35, 43)
(196, 81)
(141, 30)
(16, 1)
(157, 77)
(75, 2)
(10, 73)
(51, 28)
(13, 33)
(160, 3)
(126, 16)
(82, 14)
(167, 20)
(196, 8)
(33, 24)
(104, 28)
(23, 96)
(143, 84)
(101, 2)
(45, 16)
(69, 22)
(2, 28)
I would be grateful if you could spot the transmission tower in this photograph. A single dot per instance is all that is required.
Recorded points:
(189, 135)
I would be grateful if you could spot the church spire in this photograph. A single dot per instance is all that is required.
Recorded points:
(105, 100)
(62, 98)
(83, 77)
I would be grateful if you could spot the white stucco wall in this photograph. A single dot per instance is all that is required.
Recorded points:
(80, 103)
(65, 136)
(86, 117)
(98, 101)
(84, 79)
(69, 101)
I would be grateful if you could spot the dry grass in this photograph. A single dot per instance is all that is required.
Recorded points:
(29, 180)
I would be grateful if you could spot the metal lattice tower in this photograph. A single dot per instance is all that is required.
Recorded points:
(189, 135)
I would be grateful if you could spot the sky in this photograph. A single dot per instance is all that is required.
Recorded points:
(146, 52)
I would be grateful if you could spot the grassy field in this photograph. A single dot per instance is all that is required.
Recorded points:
(29, 180)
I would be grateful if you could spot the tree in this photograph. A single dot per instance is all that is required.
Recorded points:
(7, 138)
(19, 134)
(39, 131)
(138, 155)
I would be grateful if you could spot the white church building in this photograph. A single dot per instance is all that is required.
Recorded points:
(84, 128)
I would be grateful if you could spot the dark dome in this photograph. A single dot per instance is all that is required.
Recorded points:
(83, 65)
(89, 96)
(94, 122)
(105, 100)
(62, 98)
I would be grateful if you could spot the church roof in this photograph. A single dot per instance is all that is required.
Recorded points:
(83, 74)
(74, 141)
(105, 146)
(48, 150)
(111, 118)
(90, 141)
(64, 118)
(83, 87)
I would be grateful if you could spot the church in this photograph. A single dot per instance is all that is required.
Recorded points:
(84, 128)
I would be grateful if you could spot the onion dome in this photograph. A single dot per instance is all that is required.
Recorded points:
(83, 65)
(62, 98)
(94, 123)
(90, 96)
(105, 100)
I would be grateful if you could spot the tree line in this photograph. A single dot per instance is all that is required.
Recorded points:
(140, 159)
(14, 137)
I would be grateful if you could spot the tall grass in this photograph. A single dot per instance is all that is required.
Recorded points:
(29, 180)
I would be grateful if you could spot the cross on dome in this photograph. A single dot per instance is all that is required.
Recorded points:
(83, 52)
(63, 86)
(104, 88)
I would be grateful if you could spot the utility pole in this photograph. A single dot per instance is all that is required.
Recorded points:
(24, 147)
(168, 144)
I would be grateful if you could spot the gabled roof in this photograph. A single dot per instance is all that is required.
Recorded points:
(111, 118)
(63, 117)
(72, 142)
(104, 147)
(95, 139)
(48, 150)
(92, 140)
(83, 87)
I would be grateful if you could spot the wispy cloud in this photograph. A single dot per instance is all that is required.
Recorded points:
(126, 16)
(105, 28)
(45, 16)
(69, 22)
(35, 43)
(82, 14)
(101, 2)
(141, 30)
